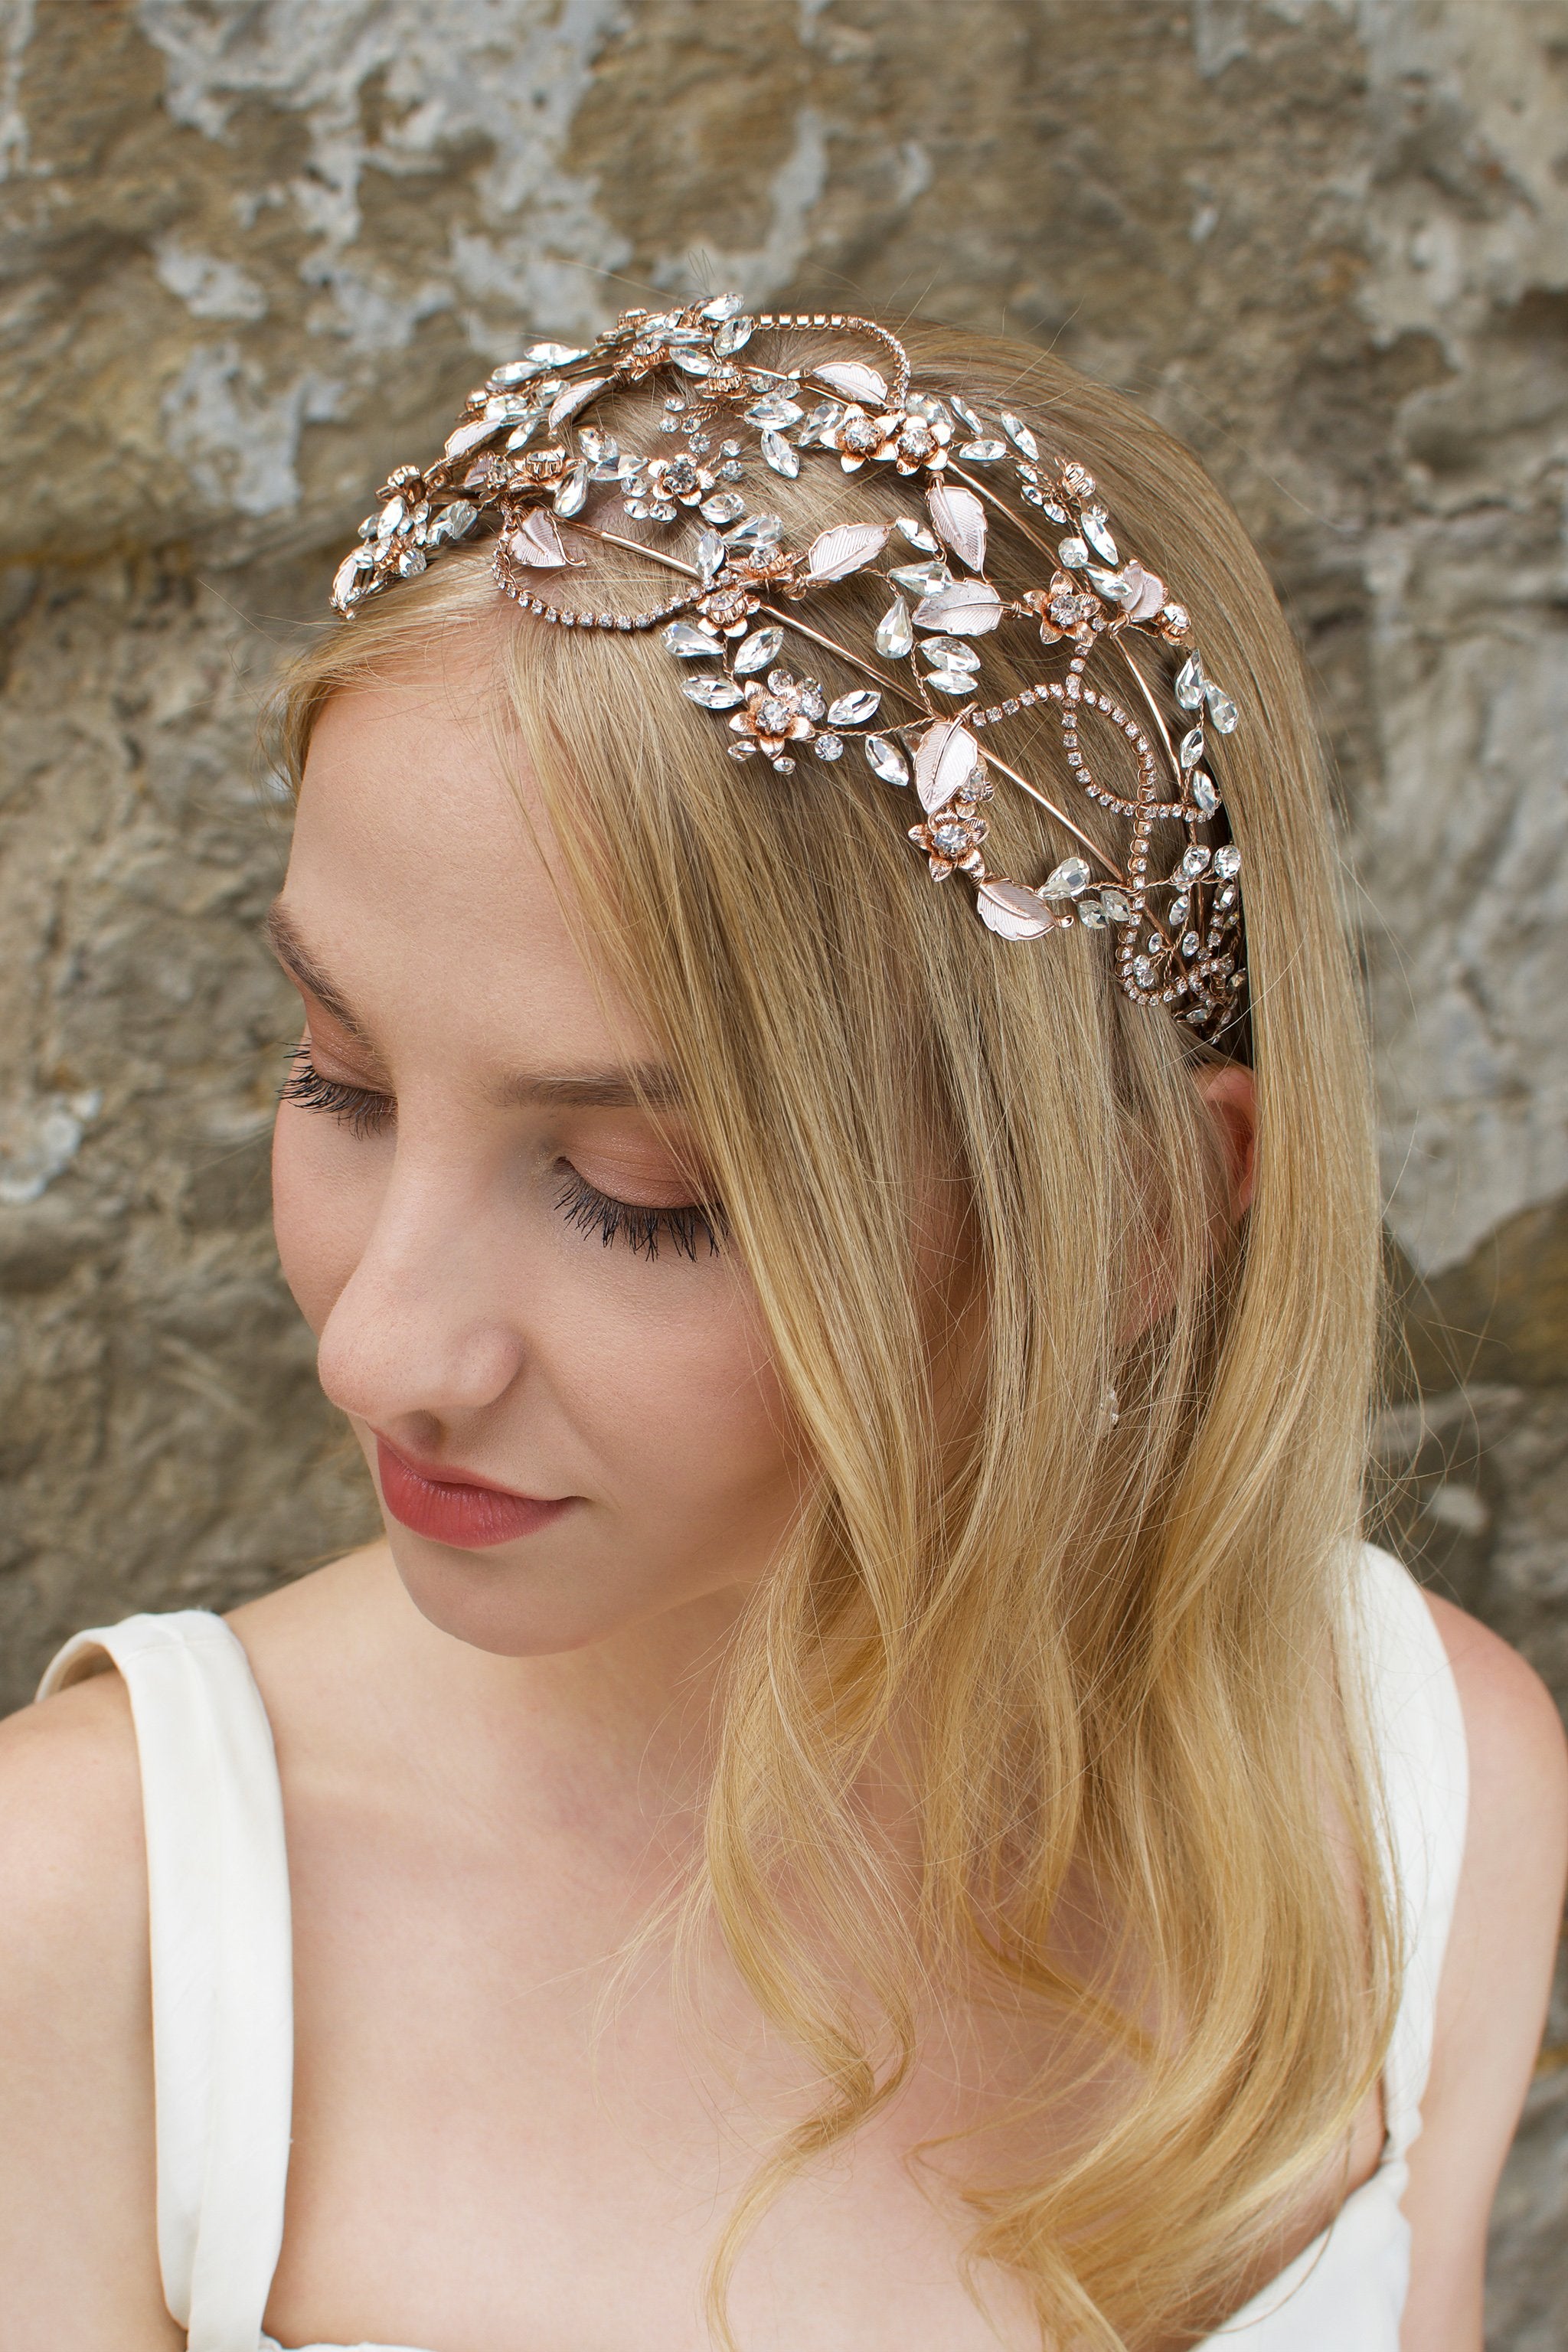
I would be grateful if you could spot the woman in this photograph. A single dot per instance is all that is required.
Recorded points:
(871, 1796)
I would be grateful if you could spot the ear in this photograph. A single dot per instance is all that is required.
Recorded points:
(1229, 1095)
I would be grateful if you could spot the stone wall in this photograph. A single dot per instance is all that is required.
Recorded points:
(252, 251)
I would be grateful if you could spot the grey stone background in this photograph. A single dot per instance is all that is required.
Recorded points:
(253, 251)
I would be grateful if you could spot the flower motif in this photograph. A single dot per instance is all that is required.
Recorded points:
(784, 711)
(680, 477)
(1065, 609)
(908, 441)
(950, 836)
(727, 607)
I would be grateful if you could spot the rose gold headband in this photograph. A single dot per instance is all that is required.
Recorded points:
(1178, 932)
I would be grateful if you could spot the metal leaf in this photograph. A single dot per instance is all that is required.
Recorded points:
(959, 519)
(848, 547)
(946, 758)
(575, 396)
(468, 436)
(855, 380)
(969, 608)
(1012, 912)
(537, 543)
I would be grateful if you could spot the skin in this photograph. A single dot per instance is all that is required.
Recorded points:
(491, 1759)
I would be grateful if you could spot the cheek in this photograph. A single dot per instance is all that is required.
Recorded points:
(323, 1209)
(678, 1398)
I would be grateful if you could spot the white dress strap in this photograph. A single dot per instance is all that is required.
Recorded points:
(222, 2015)
(1424, 1761)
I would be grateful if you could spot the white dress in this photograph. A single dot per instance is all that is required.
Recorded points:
(223, 1985)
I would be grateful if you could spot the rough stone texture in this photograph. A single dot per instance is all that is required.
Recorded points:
(252, 250)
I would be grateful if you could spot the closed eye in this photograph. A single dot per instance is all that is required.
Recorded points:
(359, 1108)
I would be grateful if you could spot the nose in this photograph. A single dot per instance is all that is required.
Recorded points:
(420, 1336)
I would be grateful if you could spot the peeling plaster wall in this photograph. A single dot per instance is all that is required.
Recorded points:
(252, 251)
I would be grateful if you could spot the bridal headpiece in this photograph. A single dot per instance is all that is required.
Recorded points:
(525, 459)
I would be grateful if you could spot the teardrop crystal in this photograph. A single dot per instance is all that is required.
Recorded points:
(1097, 530)
(895, 631)
(1019, 434)
(1189, 687)
(688, 644)
(1223, 713)
(1069, 879)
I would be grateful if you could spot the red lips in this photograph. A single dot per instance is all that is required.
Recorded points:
(467, 1512)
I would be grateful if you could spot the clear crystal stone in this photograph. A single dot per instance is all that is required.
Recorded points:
(775, 410)
(722, 306)
(1195, 861)
(346, 578)
(1189, 687)
(885, 760)
(692, 362)
(555, 354)
(951, 653)
(1176, 912)
(921, 579)
(774, 715)
(757, 530)
(1118, 906)
(1114, 586)
(1143, 972)
(780, 456)
(1097, 530)
(784, 767)
(1019, 434)
(828, 746)
(1191, 748)
(686, 642)
(1067, 880)
(895, 631)
(572, 496)
(1222, 711)
(732, 335)
(453, 522)
(513, 372)
(1073, 554)
(983, 453)
(780, 680)
(952, 681)
(669, 424)
(823, 420)
(1227, 861)
(927, 407)
(638, 509)
(725, 507)
(1203, 792)
(712, 693)
(1191, 943)
(757, 651)
(411, 561)
(964, 414)
(918, 535)
(663, 512)
(392, 518)
(951, 840)
(731, 470)
(1076, 480)
(1091, 914)
(853, 710)
(1226, 896)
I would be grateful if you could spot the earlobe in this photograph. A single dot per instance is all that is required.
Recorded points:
(1229, 1093)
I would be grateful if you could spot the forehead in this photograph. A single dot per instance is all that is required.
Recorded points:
(424, 873)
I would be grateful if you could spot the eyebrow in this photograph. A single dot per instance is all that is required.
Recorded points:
(641, 1086)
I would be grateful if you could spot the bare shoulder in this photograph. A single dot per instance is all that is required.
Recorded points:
(78, 2251)
(1497, 1973)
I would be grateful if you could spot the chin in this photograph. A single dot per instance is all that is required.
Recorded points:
(507, 1606)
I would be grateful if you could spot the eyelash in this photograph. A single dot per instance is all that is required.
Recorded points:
(582, 1204)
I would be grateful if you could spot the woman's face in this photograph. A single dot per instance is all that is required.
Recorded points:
(505, 1262)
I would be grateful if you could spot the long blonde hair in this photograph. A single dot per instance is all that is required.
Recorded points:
(1111, 1655)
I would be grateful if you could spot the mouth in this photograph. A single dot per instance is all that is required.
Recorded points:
(461, 1509)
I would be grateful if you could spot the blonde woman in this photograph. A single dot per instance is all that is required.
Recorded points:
(872, 1798)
